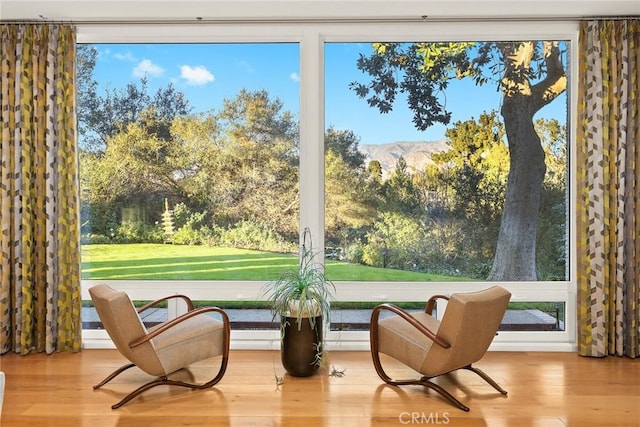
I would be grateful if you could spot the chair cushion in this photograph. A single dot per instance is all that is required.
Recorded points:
(398, 339)
(197, 338)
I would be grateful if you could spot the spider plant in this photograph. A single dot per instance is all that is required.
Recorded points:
(302, 293)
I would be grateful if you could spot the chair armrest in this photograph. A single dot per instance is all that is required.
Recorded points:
(432, 301)
(171, 323)
(410, 319)
(158, 301)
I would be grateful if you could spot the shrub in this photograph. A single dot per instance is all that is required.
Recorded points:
(259, 236)
(394, 242)
(188, 235)
(354, 253)
(192, 229)
(138, 232)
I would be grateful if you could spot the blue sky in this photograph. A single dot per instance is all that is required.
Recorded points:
(208, 74)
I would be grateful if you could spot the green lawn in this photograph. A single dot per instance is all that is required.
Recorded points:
(176, 262)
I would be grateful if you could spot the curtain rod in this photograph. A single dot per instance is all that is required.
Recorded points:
(265, 21)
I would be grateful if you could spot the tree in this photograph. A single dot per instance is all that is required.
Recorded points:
(529, 74)
(254, 116)
(400, 193)
(348, 204)
(374, 168)
(345, 143)
(476, 167)
(102, 117)
(552, 250)
(133, 104)
(350, 199)
(200, 137)
(86, 92)
(135, 169)
(254, 171)
(468, 187)
(395, 241)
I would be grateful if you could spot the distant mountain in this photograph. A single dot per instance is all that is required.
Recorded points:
(416, 154)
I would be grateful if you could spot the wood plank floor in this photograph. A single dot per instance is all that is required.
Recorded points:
(545, 389)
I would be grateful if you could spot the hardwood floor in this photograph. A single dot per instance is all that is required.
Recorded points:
(545, 389)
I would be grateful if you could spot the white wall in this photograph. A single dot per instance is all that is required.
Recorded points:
(308, 9)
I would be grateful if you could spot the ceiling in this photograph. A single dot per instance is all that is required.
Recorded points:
(122, 10)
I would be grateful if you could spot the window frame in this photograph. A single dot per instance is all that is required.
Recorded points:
(311, 38)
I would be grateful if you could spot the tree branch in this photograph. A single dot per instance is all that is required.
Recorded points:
(555, 82)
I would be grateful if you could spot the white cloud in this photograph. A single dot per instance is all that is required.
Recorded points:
(295, 77)
(196, 76)
(128, 56)
(147, 68)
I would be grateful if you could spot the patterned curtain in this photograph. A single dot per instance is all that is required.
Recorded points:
(609, 188)
(39, 260)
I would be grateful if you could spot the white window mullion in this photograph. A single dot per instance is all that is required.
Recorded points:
(312, 138)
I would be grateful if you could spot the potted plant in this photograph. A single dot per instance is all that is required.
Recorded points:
(301, 298)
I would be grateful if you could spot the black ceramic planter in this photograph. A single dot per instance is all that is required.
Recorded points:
(301, 346)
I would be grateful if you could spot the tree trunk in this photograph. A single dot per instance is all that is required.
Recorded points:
(515, 257)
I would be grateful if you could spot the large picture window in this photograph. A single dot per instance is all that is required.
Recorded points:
(447, 162)
(398, 145)
(419, 142)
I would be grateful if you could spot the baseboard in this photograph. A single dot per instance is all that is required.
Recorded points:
(356, 345)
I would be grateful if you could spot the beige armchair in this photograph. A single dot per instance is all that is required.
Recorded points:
(432, 347)
(165, 348)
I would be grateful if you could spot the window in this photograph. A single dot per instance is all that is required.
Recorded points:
(323, 190)
(417, 160)
(188, 161)
(416, 169)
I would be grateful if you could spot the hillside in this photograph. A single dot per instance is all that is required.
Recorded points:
(416, 154)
